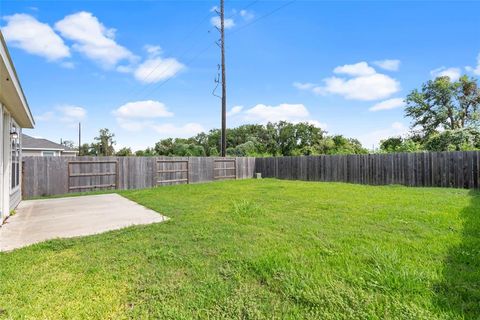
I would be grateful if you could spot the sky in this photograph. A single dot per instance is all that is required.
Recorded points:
(146, 69)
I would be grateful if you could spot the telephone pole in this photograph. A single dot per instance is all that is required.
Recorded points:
(79, 138)
(224, 85)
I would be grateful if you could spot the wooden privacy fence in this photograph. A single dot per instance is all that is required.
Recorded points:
(44, 176)
(103, 175)
(172, 171)
(224, 169)
(433, 169)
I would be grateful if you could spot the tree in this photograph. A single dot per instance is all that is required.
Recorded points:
(87, 150)
(124, 152)
(444, 105)
(164, 147)
(149, 152)
(246, 149)
(399, 144)
(105, 143)
(213, 152)
(68, 144)
(454, 140)
(280, 138)
(339, 144)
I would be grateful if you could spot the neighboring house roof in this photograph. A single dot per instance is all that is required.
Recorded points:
(31, 143)
(11, 92)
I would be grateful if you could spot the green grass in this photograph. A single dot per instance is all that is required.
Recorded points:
(255, 249)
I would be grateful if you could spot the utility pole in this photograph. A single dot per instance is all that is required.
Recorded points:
(79, 138)
(224, 86)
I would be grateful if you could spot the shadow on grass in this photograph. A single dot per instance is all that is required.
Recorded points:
(459, 292)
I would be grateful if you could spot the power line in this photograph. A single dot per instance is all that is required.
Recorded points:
(230, 33)
(237, 12)
(157, 86)
(187, 36)
(188, 50)
(261, 17)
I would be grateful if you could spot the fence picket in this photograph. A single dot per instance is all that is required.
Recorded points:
(435, 169)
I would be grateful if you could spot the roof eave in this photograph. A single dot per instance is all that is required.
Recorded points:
(5, 55)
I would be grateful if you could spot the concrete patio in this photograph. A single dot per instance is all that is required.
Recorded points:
(41, 220)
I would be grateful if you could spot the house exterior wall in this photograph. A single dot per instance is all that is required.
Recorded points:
(15, 199)
(5, 164)
(39, 153)
(10, 196)
(16, 193)
(31, 153)
(13, 109)
(3, 193)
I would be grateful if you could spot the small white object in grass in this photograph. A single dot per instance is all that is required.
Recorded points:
(258, 175)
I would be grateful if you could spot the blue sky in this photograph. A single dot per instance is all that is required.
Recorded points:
(146, 69)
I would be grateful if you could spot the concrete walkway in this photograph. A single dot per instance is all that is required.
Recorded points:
(40, 220)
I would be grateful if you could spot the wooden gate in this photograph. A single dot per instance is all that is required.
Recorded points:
(224, 169)
(172, 171)
(98, 175)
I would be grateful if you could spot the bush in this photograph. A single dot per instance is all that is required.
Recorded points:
(454, 140)
(399, 144)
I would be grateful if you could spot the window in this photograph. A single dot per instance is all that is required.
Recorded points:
(15, 144)
(48, 153)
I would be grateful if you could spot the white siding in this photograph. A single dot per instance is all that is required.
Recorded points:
(15, 198)
(28, 153)
(39, 153)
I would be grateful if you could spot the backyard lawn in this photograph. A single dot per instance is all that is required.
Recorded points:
(253, 249)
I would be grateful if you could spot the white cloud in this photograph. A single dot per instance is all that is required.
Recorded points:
(93, 39)
(67, 65)
(388, 104)
(69, 113)
(388, 64)
(263, 114)
(133, 125)
(163, 130)
(373, 138)
(357, 69)
(153, 50)
(287, 112)
(453, 73)
(154, 68)
(125, 69)
(228, 23)
(235, 110)
(475, 70)
(316, 123)
(25, 32)
(303, 86)
(367, 88)
(157, 69)
(142, 110)
(47, 116)
(141, 115)
(183, 131)
(364, 83)
(246, 15)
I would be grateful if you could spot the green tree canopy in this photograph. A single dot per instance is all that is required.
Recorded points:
(277, 139)
(399, 144)
(442, 104)
(104, 143)
(454, 140)
(124, 152)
